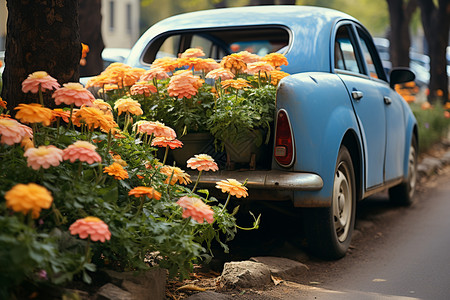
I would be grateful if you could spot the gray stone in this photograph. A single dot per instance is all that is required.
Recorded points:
(428, 166)
(111, 292)
(446, 158)
(244, 274)
(209, 295)
(145, 285)
(283, 267)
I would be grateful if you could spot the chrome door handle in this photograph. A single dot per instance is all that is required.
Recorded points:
(357, 95)
(387, 100)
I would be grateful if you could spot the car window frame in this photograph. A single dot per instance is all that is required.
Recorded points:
(192, 31)
(375, 56)
(355, 44)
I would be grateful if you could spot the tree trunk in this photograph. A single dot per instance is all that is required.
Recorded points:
(436, 25)
(261, 2)
(90, 19)
(220, 4)
(400, 39)
(287, 2)
(41, 36)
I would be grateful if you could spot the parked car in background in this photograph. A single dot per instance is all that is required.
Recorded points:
(341, 132)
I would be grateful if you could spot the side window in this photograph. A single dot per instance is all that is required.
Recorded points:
(169, 47)
(344, 52)
(373, 64)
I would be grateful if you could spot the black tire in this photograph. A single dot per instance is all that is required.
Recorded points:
(403, 194)
(329, 230)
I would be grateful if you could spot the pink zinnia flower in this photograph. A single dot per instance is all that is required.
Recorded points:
(11, 131)
(155, 128)
(73, 93)
(223, 74)
(157, 72)
(260, 66)
(91, 227)
(142, 88)
(164, 142)
(192, 52)
(202, 162)
(184, 84)
(36, 79)
(83, 151)
(196, 209)
(43, 156)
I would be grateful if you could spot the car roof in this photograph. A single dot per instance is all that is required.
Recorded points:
(310, 28)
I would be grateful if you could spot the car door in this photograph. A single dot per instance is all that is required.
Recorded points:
(395, 119)
(367, 102)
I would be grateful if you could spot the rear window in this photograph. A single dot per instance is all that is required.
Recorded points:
(217, 43)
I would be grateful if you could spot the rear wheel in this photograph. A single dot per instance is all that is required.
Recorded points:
(329, 230)
(403, 194)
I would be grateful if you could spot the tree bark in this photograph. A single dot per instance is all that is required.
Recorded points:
(261, 2)
(436, 26)
(41, 36)
(400, 14)
(90, 19)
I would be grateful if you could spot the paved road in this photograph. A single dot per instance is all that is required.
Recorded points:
(407, 255)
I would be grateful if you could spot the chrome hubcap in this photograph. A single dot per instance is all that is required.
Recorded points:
(342, 203)
(412, 174)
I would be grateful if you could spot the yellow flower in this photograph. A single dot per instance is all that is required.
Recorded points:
(234, 63)
(128, 105)
(176, 174)
(34, 113)
(275, 59)
(27, 198)
(117, 171)
(239, 83)
(233, 187)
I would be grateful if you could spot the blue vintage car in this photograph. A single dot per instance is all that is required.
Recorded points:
(342, 133)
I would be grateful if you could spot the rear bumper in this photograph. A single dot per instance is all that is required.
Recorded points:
(269, 180)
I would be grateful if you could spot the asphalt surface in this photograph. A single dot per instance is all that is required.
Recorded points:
(403, 254)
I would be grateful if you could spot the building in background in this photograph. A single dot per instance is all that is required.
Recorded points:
(120, 28)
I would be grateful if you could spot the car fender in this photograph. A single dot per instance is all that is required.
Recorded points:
(321, 115)
(411, 130)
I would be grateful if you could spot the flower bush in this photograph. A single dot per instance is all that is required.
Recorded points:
(76, 175)
(230, 99)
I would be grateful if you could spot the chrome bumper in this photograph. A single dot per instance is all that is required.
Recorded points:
(271, 180)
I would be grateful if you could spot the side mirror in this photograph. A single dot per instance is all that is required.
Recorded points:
(400, 75)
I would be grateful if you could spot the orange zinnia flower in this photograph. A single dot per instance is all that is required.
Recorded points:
(447, 105)
(91, 116)
(223, 74)
(11, 131)
(142, 88)
(259, 66)
(154, 72)
(103, 106)
(275, 59)
(234, 63)
(168, 64)
(27, 198)
(83, 151)
(192, 52)
(275, 76)
(176, 174)
(59, 113)
(131, 76)
(202, 162)
(128, 105)
(117, 171)
(34, 113)
(233, 187)
(162, 141)
(239, 83)
(140, 191)
(26, 143)
(91, 227)
(207, 65)
(248, 57)
(43, 157)
(184, 84)
(196, 209)
(39, 79)
(73, 93)
(2, 103)
(155, 128)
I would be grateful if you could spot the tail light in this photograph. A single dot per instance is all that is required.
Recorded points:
(284, 142)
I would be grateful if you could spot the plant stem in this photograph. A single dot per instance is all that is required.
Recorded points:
(165, 154)
(196, 183)
(226, 202)
(141, 205)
